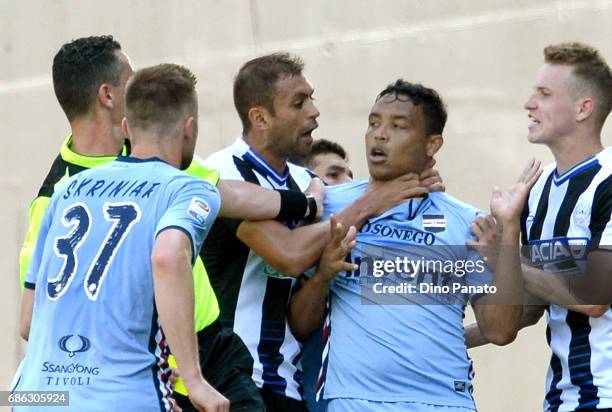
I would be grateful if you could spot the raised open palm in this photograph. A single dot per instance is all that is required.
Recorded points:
(508, 204)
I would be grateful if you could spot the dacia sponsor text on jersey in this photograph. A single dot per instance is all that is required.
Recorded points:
(559, 249)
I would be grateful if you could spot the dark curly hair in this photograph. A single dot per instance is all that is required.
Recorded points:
(326, 146)
(320, 146)
(433, 107)
(80, 67)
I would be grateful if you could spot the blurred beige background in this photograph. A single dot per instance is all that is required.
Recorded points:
(481, 55)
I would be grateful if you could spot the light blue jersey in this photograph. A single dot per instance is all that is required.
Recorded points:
(402, 344)
(95, 330)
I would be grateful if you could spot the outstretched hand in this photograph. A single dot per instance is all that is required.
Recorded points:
(506, 206)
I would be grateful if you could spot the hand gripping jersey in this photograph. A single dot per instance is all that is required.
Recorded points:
(406, 346)
(252, 295)
(95, 330)
(573, 209)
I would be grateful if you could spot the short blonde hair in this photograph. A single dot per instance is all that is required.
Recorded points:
(591, 71)
(158, 96)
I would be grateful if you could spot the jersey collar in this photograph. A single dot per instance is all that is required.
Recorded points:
(585, 164)
(130, 159)
(408, 210)
(264, 168)
(89, 162)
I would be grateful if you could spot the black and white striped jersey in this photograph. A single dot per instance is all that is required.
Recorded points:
(566, 216)
(253, 297)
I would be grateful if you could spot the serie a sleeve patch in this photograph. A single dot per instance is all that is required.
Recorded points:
(198, 209)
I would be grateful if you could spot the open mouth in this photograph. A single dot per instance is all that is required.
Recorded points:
(307, 131)
(377, 155)
(306, 138)
(533, 121)
(306, 134)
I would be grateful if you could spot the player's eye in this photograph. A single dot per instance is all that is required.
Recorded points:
(298, 104)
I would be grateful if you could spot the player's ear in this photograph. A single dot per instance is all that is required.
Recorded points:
(190, 128)
(125, 126)
(434, 143)
(105, 96)
(584, 109)
(259, 118)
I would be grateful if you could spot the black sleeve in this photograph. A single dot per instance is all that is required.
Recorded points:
(524, 215)
(225, 257)
(57, 171)
(600, 211)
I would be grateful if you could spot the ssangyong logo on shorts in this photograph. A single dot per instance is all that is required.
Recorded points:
(199, 209)
(72, 345)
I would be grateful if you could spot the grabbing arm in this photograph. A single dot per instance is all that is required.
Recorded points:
(173, 282)
(588, 293)
(499, 315)
(293, 251)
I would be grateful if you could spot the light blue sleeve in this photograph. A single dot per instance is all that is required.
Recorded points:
(32, 272)
(481, 275)
(338, 197)
(329, 205)
(193, 208)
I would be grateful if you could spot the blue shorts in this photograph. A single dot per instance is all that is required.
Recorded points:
(363, 405)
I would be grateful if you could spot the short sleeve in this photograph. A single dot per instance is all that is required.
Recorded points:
(37, 213)
(478, 275)
(601, 218)
(31, 273)
(226, 165)
(192, 209)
